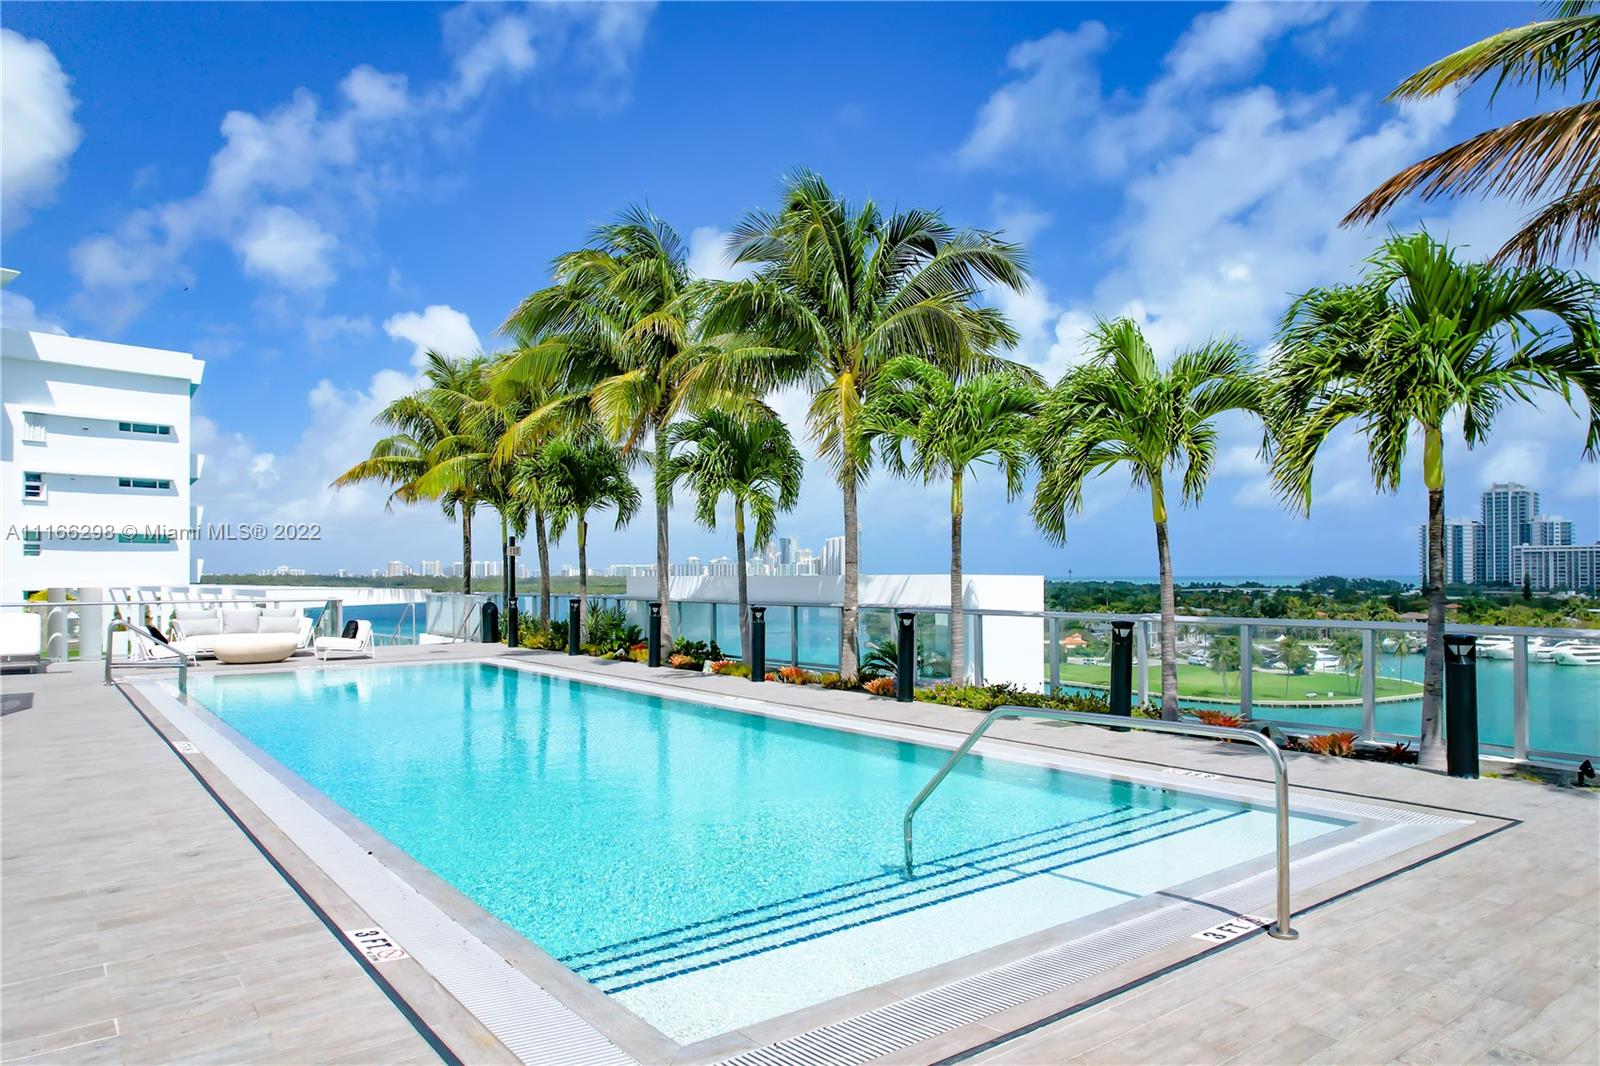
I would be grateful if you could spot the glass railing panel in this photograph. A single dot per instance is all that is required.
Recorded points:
(933, 647)
(728, 635)
(692, 621)
(819, 636)
(1563, 696)
(780, 636)
(1085, 656)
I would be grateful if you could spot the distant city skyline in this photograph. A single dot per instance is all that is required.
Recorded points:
(1512, 542)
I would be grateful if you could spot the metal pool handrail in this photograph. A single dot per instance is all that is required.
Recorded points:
(182, 662)
(1281, 929)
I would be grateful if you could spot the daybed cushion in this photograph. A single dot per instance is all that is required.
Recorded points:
(280, 612)
(247, 620)
(198, 627)
(270, 624)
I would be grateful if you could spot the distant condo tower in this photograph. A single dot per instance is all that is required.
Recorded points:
(1507, 516)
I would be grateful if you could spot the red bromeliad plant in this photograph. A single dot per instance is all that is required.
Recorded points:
(1222, 718)
(880, 686)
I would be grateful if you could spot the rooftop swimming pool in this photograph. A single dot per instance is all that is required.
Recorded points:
(707, 868)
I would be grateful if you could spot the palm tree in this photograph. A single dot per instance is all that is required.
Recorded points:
(839, 292)
(431, 429)
(753, 462)
(532, 400)
(1347, 646)
(928, 424)
(1225, 658)
(1419, 340)
(1546, 157)
(578, 475)
(621, 320)
(1294, 656)
(1122, 408)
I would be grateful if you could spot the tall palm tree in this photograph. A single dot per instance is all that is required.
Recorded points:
(621, 318)
(1546, 157)
(930, 425)
(578, 475)
(839, 292)
(532, 400)
(1420, 340)
(1121, 408)
(751, 461)
(430, 428)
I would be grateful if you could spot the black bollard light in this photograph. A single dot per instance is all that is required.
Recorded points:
(1122, 669)
(905, 668)
(1461, 705)
(513, 638)
(758, 644)
(574, 620)
(652, 640)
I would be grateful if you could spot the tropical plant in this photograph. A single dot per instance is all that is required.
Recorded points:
(578, 476)
(1226, 719)
(929, 425)
(1294, 655)
(621, 321)
(1338, 745)
(882, 659)
(1225, 658)
(430, 427)
(1421, 340)
(608, 629)
(753, 463)
(880, 686)
(1121, 408)
(839, 292)
(1347, 646)
(1546, 157)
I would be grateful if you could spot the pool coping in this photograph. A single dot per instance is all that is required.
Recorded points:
(637, 1039)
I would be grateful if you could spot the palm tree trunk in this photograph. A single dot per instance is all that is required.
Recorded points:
(663, 564)
(466, 547)
(544, 566)
(744, 581)
(958, 607)
(1430, 749)
(583, 576)
(849, 616)
(1169, 610)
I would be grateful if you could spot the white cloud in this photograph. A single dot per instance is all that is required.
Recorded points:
(18, 312)
(1056, 89)
(438, 327)
(37, 131)
(708, 255)
(287, 185)
(321, 329)
(1018, 219)
(287, 248)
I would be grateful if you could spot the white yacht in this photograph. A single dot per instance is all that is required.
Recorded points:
(1495, 647)
(1576, 653)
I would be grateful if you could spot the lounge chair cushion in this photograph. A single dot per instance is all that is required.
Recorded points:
(188, 614)
(199, 627)
(270, 624)
(241, 621)
(280, 612)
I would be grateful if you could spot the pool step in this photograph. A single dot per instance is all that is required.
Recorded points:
(731, 937)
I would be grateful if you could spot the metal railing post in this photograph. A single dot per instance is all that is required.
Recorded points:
(1142, 656)
(1369, 683)
(977, 650)
(1519, 697)
(1281, 930)
(1055, 655)
(1247, 670)
(794, 636)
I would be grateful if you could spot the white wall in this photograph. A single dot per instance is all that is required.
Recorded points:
(78, 391)
(1013, 648)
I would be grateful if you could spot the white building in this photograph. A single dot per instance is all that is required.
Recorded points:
(1559, 567)
(430, 568)
(1508, 512)
(1463, 551)
(96, 463)
(396, 569)
(832, 556)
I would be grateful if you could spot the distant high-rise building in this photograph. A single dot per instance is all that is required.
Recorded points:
(341, 572)
(1508, 512)
(722, 566)
(485, 568)
(1549, 531)
(396, 569)
(833, 555)
(568, 570)
(786, 551)
(430, 569)
(1559, 567)
(456, 569)
(1462, 551)
(631, 570)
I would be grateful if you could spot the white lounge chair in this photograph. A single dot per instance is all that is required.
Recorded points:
(357, 642)
(22, 640)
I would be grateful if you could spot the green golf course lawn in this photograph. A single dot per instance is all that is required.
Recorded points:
(1202, 682)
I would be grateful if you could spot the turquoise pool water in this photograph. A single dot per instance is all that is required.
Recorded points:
(711, 868)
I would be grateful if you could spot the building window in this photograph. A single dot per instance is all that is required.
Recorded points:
(144, 483)
(144, 427)
(32, 486)
(143, 538)
(33, 431)
(30, 543)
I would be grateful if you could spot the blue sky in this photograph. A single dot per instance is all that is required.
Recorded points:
(305, 195)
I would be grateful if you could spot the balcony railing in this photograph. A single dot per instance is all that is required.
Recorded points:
(1538, 698)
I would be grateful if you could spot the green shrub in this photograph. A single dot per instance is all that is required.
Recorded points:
(552, 637)
(988, 697)
(697, 650)
(730, 668)
(608, 629)
(834, 681)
